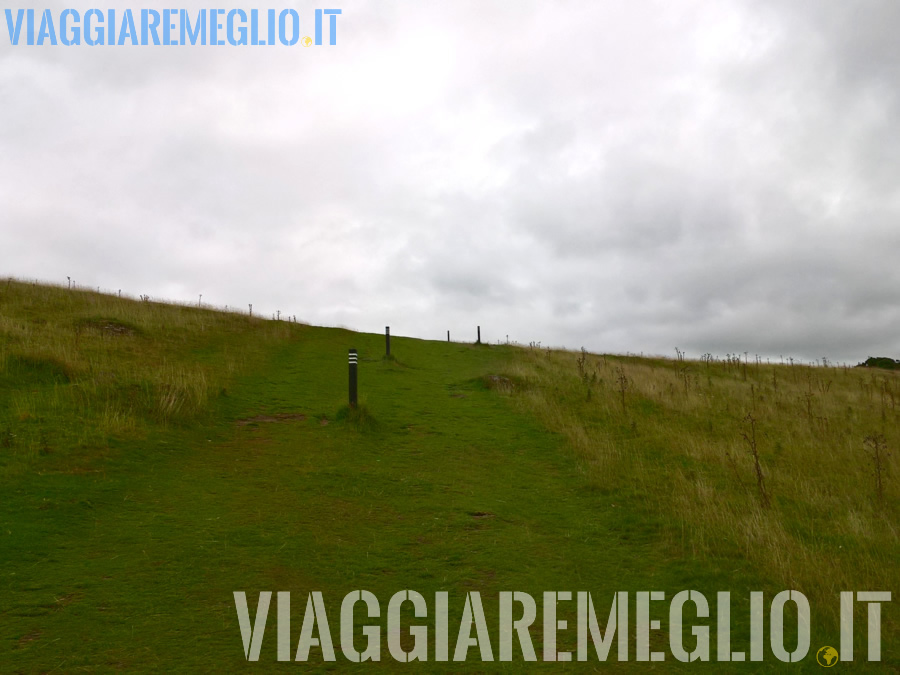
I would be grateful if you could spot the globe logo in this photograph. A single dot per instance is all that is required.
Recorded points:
(306, 41)
(827, 657)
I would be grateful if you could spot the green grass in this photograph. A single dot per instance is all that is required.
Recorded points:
(155, 458)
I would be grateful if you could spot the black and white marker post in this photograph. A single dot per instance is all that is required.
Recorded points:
(387, 340)
(352, 360)
(479, 336)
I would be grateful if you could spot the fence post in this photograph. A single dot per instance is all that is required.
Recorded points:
(387, 340)
(448, 336)
(479, 336)
(352, 358)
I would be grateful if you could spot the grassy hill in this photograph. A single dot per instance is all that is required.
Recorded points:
(154, 459)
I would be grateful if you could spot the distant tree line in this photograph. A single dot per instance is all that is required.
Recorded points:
(880, 362)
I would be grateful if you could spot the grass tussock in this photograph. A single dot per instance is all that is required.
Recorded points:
(358, 417)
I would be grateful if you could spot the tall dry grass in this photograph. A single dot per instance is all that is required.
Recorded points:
(117, 366)
(679, 444)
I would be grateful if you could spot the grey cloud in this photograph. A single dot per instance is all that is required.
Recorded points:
(717, 176)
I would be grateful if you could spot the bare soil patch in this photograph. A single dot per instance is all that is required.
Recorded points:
(277, 417)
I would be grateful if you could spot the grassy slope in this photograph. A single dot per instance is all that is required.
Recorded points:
(139, 491)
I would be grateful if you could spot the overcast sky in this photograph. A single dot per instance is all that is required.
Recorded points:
(629, 176)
